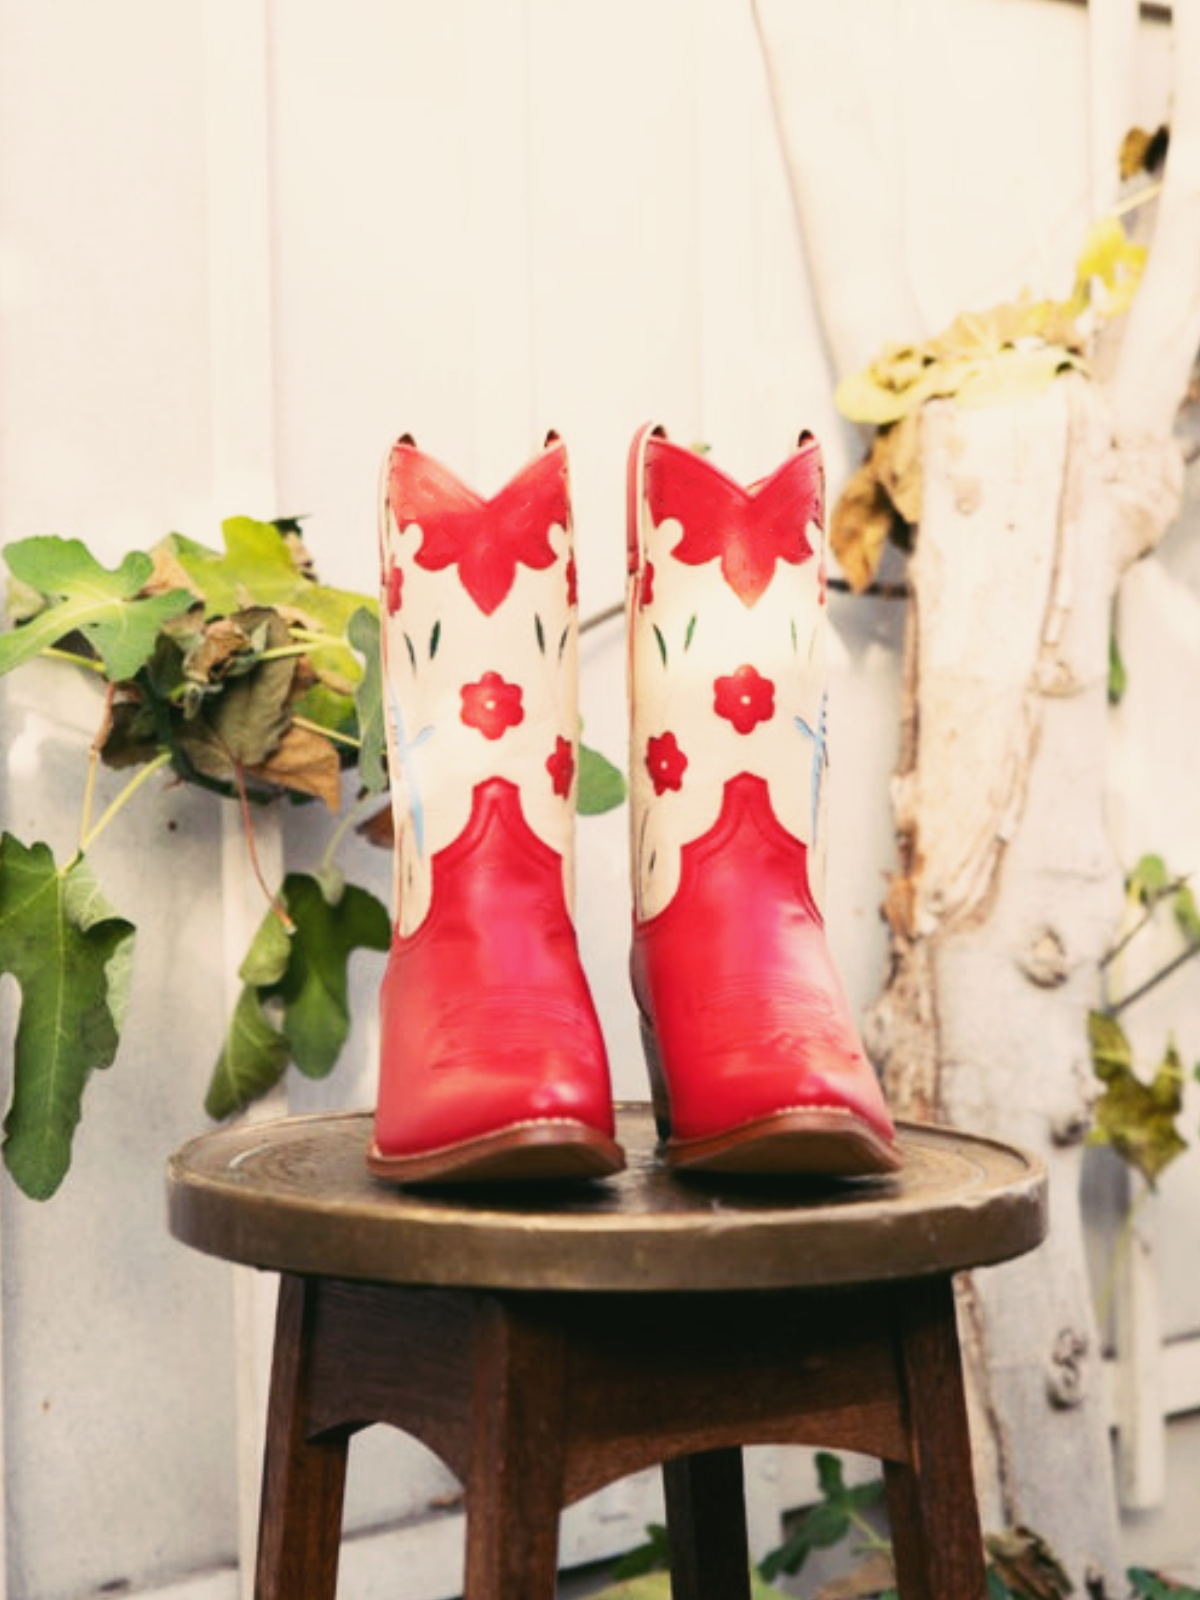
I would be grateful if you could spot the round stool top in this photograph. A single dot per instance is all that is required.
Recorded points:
(294, 1195)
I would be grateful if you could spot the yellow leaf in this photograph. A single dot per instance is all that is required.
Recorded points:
(862, 399)
(1014, 375)
(1110, 266)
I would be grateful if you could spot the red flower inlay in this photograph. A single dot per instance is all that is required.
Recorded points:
(394, 585)
(745, 698)
(491, 705)
(747, 530)
(665, 762)
(572, 583)
(561, 766)
(646, 586)
(822, 582)
(486, 539)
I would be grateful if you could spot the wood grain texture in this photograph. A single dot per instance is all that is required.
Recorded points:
(539, 1391)
(706, 1522)
(937, 1541)
(295, 1195)
(303, 1479)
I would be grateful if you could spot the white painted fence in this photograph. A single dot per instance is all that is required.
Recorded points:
(243, 243)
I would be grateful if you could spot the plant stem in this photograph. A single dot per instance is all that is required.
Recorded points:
(284, 652)
(1126, 938)
(272, 898)
(872, 1540)
(598, 617)
(347, 739)
(89, 835)
(304, 641)
(1140, 198)
(346, 823)
(310, 636)
(1153, 982)
(53, 653)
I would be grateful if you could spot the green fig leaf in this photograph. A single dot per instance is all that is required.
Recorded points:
(1137, 1119)
(314, 988)
(70, 954)
(245, 724)
(1187, 914)
(363, 633)
(252, 1060)
(295, 1005)
(1149, 880)
(601, 785)
(270, 950)
(258, 568)
(87, 598)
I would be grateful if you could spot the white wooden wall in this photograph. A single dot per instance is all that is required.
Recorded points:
(243, 244)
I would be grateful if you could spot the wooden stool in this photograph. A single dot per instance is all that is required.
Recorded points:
(544, 1344)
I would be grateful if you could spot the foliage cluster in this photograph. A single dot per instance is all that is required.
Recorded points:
(1020, 1565)
(1006, 354)
(238, 671)
(1139, 1119)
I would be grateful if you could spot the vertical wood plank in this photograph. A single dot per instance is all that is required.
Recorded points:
(706, 1522)
(936, 1536)
(725, 128)
(304, 1481)
(1141, 1405)
(1112, 46)
(239, 257)
(515, 1479)
(242, 416)
(496, 61)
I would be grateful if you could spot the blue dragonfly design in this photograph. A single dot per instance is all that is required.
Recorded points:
(820, 757)
(405, 748)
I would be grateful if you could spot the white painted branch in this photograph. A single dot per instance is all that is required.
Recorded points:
(1162, 332)
(855, 250)
(1140, 1401)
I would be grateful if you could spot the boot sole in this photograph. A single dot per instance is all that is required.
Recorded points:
(523, 1153)
(825, 1141)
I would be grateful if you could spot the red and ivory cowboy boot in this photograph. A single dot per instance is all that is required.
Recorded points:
(492, 1061)
(754, 1057)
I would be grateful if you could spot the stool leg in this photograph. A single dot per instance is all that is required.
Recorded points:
(706, 1521)
(300, 1523)
(515, 1480)
(936, 1536)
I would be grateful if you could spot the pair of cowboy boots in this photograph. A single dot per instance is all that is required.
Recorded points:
(493, 1066)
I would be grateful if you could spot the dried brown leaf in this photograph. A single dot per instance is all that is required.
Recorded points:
(1027, 1564)
(875, 1575)
(166, 574)
(859, 526)
(379, 829)
(896, 457)
(305, 762)
(220, 644)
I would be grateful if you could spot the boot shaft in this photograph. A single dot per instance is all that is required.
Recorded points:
(480, 656)
(726, 619)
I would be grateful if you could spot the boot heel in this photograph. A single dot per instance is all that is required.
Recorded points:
(658, 1083)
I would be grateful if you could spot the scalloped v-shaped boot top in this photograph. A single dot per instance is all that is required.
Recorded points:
(492, 1062)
